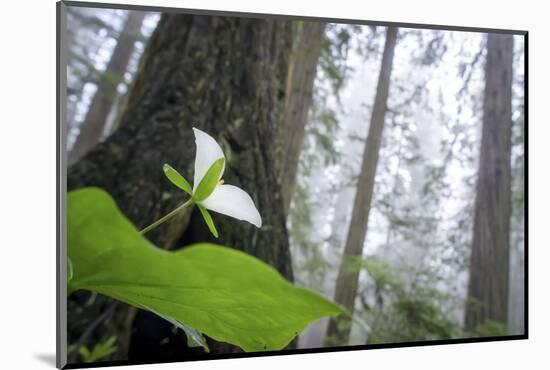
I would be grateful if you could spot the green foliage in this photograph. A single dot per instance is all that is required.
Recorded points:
(491, 328)
(423, 316)
(208, 219)
(100, 351)
(69, 269)
(177, 179)
(334, 54)
(205, 188)
(112, 77)
(209, 181)
(408, 313)
(219, 291)
(379, 271)
(309, 263)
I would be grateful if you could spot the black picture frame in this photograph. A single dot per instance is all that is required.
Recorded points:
(61, 188)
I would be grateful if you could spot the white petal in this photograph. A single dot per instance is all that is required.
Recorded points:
(208, 151)
(235, 202)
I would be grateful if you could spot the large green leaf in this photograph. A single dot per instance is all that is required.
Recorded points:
(224, 293)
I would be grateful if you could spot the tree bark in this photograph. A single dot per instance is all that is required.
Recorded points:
(299, 96)
(489, 263)
(338, 331)
(225, 76)
(92, 128)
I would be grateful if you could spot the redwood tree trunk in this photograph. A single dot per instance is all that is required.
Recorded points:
(92, 127)
(299, 95)
(225, 76)
(346, 283)
(489, 264)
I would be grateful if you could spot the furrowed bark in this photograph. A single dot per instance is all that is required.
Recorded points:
(489, 263)
(299, 96)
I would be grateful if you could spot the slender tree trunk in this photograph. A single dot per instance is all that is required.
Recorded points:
(299, 95)
(225, 76)
(516, 300)
(489, 264)
(346, 283)
(92, 128)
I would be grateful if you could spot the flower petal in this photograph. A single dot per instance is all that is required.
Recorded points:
(235, 202)
(208, 151)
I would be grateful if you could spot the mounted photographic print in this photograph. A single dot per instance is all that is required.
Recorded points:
(235, 184)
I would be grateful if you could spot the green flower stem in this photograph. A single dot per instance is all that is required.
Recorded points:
(167, 216)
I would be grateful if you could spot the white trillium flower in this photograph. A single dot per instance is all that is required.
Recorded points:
(225, 199)
(208, 191)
